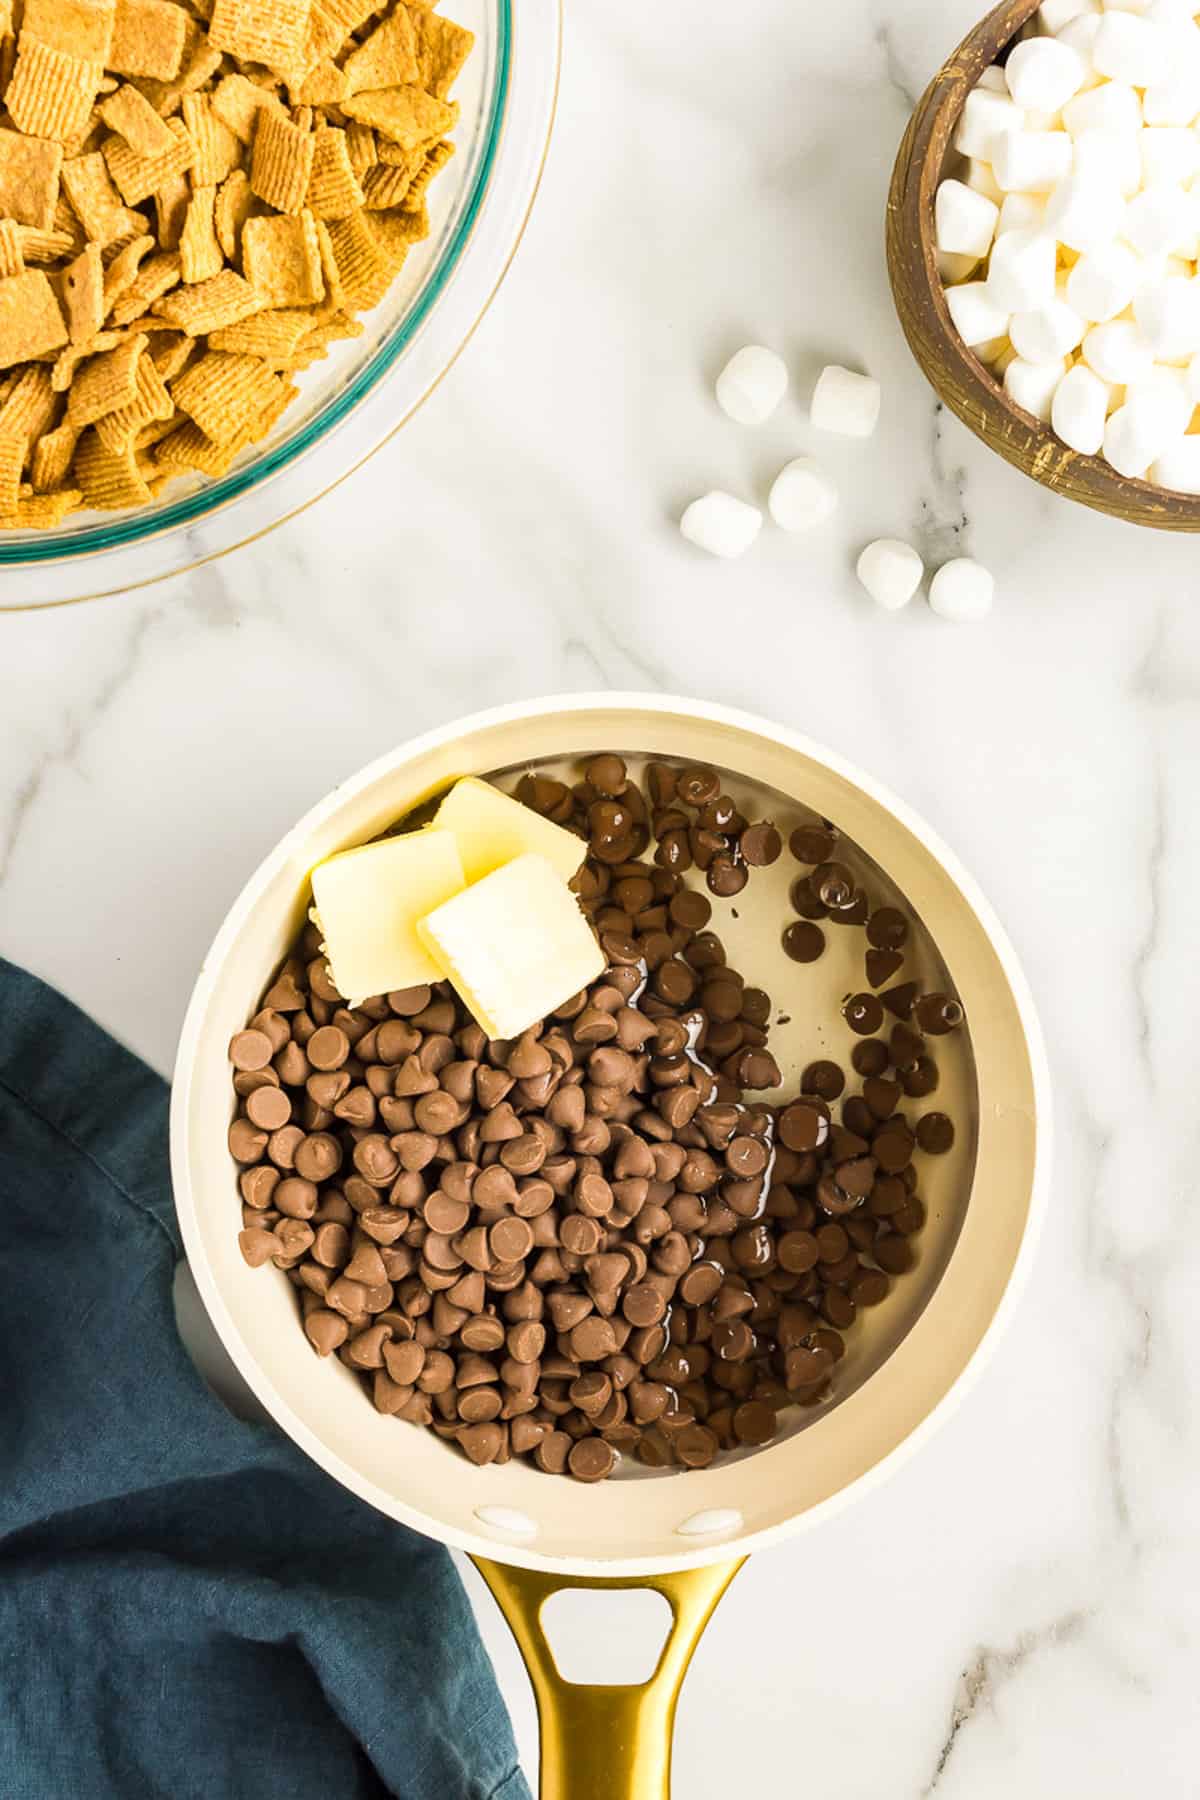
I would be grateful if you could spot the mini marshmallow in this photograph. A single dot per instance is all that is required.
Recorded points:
(1162, 401)
(846, 402)
(1179, 466)
(1159, 218)
(1155, 414)
(1054, 14)
(1125, 449)
(984, 116)
(1084, 212)
(1132, 50)
(993, 79)
(1103, 282)
(1044, 74)
(1034, 385)
(1175, 101)
(1114, 106)
(1191, 381)
(1021, 274)
(1117, 352)
(1111, 157)
(1171, 13)
(1047, 334)
(1079, 34)
(965, 221)
(980, 178)
(1031, 162)
(802, 495)
(752, 384)
(976, 315)
(721, 524)
(1169, 153)
(1079, 410)
(891, 572)
(1168, 317)
(1021, 212)
(962, 591)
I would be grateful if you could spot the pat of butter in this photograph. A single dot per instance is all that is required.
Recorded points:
(515, 945)
(368, 902)
(492, 829)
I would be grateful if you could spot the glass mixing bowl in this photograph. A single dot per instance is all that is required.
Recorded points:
(364, 390)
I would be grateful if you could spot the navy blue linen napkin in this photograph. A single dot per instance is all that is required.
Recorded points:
(188, 1606)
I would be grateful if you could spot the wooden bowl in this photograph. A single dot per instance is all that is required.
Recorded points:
(957, 375)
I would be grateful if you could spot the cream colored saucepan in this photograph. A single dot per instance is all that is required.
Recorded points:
(683, 1534)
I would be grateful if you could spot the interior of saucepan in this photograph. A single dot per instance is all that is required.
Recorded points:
(902, 1362)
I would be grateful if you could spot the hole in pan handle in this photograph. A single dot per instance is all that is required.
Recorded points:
(606, 1743)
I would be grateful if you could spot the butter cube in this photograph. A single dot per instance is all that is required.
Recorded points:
(492, 829)
(515, 945)
(368, 902)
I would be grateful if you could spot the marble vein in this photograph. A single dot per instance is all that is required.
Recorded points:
(74, 728)
(989, 1671)
(942, 525)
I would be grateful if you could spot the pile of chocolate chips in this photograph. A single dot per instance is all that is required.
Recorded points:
(588, 1241)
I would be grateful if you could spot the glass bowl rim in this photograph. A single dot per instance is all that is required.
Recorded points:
(123, 531)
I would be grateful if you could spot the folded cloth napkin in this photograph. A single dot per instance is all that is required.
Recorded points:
(188, 1606)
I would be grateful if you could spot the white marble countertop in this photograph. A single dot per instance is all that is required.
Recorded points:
(1015, 1611)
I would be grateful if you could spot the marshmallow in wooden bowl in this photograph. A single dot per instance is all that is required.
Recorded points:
(1069, 233)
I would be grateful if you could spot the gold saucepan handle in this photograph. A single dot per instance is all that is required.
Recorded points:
(606, 1743)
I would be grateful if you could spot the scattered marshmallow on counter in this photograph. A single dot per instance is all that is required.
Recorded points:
(801, 496)
(891, 572)
(721, 524)
(846, 402)
(1068, 236)
(752, 384)
(962, 591)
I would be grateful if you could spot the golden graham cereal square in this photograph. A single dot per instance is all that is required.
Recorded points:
(333, 187)
(407, 115)
(156, 277)
(105, 382)
(131, 116)
(282, 259)
(205, 306)
(442, 49)
(82, 28)
(148, 38)
(31, 321)
(30, 169)
(138, 177)
(388, 58)
(282, 162)
(12, 254)
(83, 294)
(261, 31)
(224, 394)
(218, 149)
